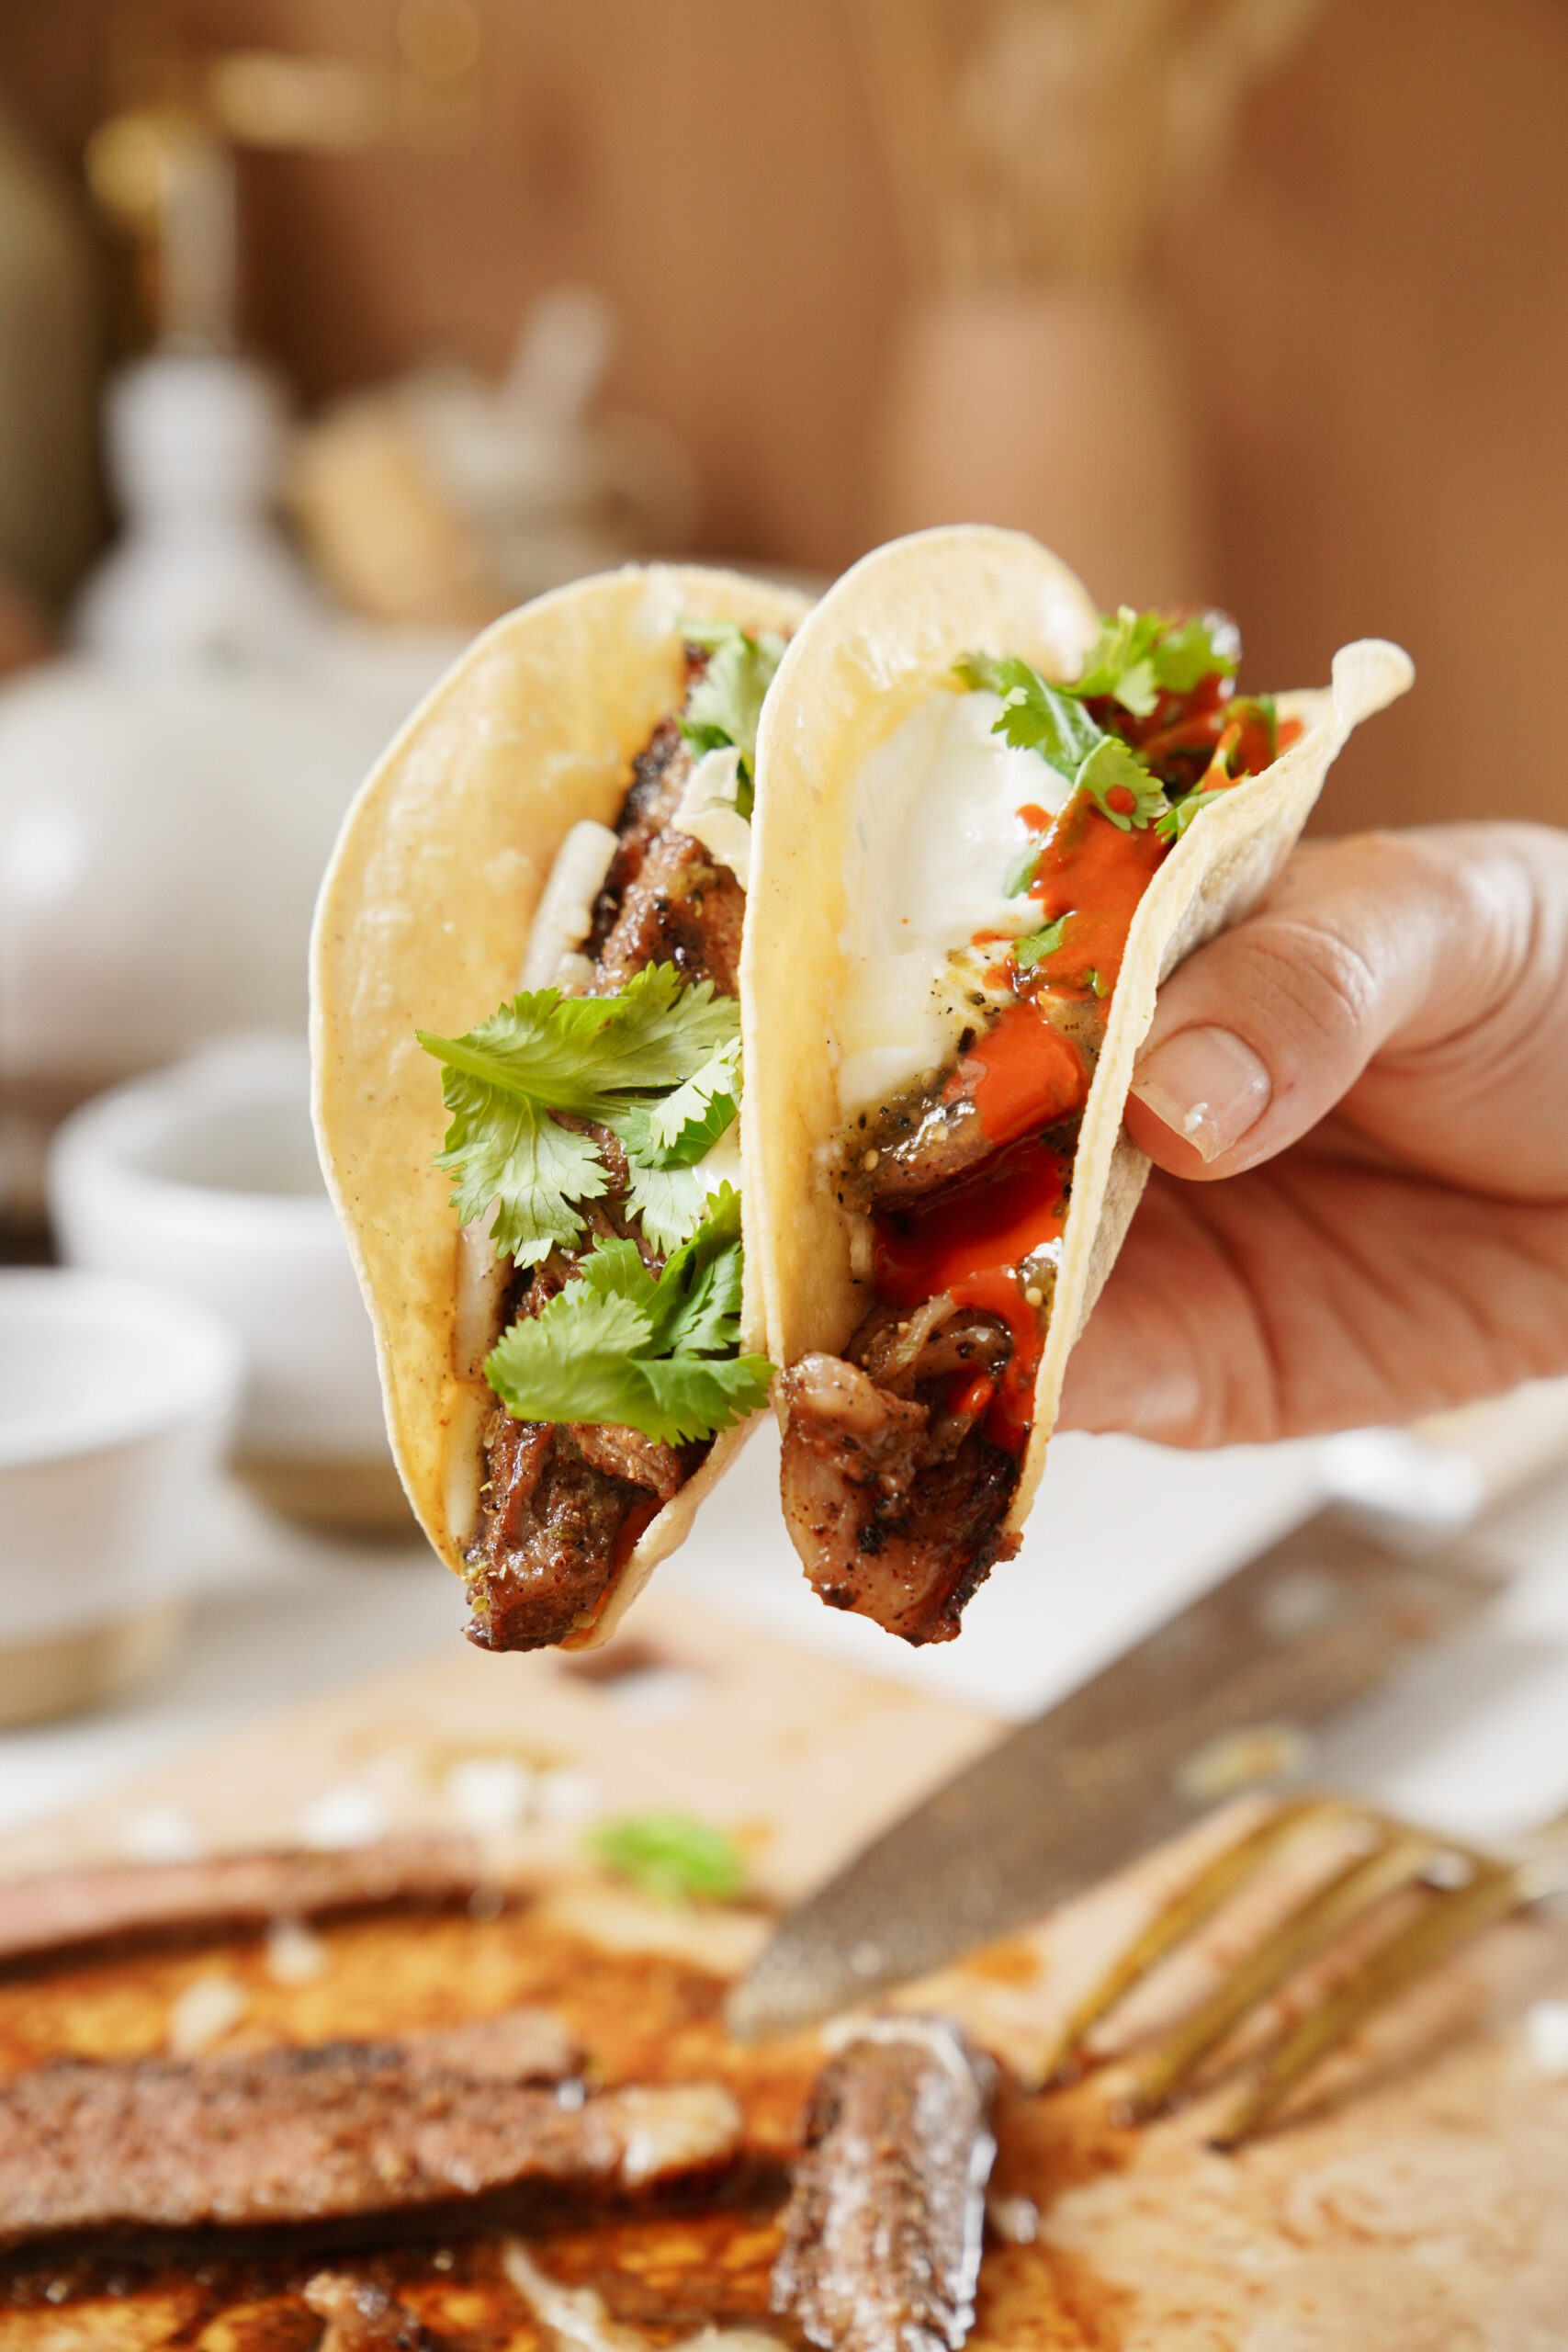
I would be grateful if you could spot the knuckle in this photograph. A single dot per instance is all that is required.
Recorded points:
(1323, 987)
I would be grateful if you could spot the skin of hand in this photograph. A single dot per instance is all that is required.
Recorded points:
(1357, 1106)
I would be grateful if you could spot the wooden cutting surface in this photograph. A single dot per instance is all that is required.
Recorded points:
(1418, 2201)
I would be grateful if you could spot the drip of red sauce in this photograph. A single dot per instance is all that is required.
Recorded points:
(971, 1242)
(1021, 1075)
(1095, 874)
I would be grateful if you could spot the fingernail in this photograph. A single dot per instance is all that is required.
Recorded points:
(1207, 1085)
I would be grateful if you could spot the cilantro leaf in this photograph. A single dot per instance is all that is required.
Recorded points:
(1174, 823)
(573, 1363)
(696, 1306)
(1187, 652)
(671, 1856)
(604, 1058)
(1119, 663)
(1035, 717)
(1020, 872)
(614, 1269)
(586, 1358)
(1120, 786)
(1138, 655)
(725, 703)
(506, 1149)
(578, 1053)
(669, 1201)
(618, 1345)
(1028, 952)
(683, 1125)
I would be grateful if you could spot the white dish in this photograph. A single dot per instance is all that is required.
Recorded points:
(204, 1179)
(116, 1408)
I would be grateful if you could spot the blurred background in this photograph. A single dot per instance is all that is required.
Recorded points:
(331, 328)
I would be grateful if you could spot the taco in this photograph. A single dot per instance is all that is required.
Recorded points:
(526, 1050)
(990, 822)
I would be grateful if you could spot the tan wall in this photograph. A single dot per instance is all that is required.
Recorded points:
(1373, 311)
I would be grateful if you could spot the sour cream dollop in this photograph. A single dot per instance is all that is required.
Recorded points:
(935, 828)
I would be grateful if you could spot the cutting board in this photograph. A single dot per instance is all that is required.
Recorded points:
(1418, 2202)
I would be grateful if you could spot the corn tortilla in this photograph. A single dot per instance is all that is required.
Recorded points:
(422, 920)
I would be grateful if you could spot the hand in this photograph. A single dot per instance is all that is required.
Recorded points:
(1357, 1105)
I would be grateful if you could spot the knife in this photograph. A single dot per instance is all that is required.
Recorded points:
(1225, 1695)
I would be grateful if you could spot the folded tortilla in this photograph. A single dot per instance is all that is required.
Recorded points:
(423, 920)
(882, 639)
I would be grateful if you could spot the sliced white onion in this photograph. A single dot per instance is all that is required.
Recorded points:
(480, 1288)
(564, 916)
(708, 813)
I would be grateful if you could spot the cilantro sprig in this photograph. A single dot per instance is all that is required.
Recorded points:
(1135, 658)
(656, 1352)
(1138, 656)
(1174, 823)
(1039, 943)
(1038, 717)
(726, 702)
(1121, 786)
(671, 1856)
(659, 1065)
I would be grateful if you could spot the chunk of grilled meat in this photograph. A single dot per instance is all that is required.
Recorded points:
(552, 1530)
(682, 910)
(893, 1497)
(883, 2229)
(660, 775)
(301, 2135)
(933, 1134)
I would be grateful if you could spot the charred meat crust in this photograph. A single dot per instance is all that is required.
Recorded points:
(895, 1497)
(552, 1523)
(563, 1503)
(882, 2232)
(682, 910)
(886, 1526)
(300, 2135)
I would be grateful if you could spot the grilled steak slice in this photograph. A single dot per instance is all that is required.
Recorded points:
(882, 2231)
(682, 909)
(65, 1910)
(623, 1452)
(660, 776)
(519, 2046)
(551, 1534)
(895, 1500)
(299, 2135)
(916, 1153)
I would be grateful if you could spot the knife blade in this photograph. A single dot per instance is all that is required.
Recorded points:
(1225, 1695)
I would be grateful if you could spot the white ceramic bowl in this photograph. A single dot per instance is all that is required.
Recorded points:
(116, 1406)
(204, 1179)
